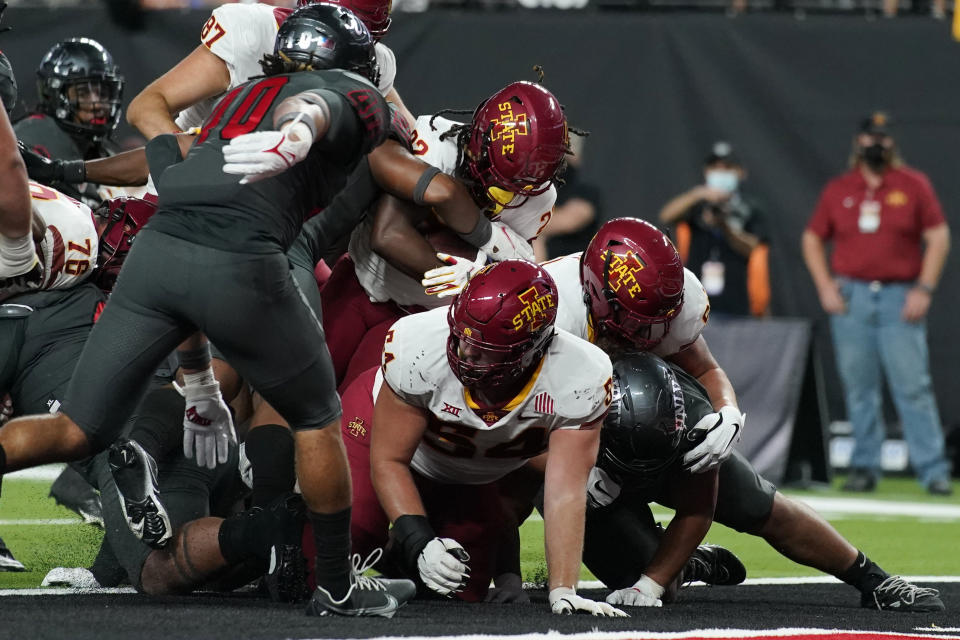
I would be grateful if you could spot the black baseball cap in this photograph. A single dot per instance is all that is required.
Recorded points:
(722, 152)
(876, 124)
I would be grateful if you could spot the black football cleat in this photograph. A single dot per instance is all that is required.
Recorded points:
(286, 577)
(7, 561)
(896, 594)
(714, 565)
(72, 491)
(135, 474)
(366, 596)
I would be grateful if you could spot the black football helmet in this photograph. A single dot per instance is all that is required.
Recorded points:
(642, 432)
(8, 84)
(324, 36)
(78, 76)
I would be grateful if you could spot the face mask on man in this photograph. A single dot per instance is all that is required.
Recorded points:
(876, 156)
(723, 180)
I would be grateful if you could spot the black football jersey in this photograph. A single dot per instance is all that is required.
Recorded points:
(200, 203)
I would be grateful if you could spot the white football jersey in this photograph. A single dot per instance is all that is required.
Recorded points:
(572, 310)
(571, 387)
(240, 35)
(382, 281)
(70, 245)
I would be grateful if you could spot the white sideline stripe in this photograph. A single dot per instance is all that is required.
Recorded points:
(676, 635)
(596, 584)
(51, 521)
(44, 472)
(937, 629)
(64, 591)
(861, 506)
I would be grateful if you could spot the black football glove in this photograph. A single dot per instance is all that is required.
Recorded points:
(47, 171)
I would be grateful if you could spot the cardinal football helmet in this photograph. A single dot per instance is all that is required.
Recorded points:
(77, 75)
(375, 14)
(501, 323)
(323, 36)
(517, 141)
(118, 221)
(632, 281)
(8, 84)
(642, 432)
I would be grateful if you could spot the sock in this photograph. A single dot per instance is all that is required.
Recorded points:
(3, 466)
(864, 574)
(271, 453)
(245, 535)
(331, 534)
(158, 426)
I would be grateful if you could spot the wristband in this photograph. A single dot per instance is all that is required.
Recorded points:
(411, 534)
(481, 233)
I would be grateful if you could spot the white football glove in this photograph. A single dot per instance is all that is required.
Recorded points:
(263, 154)
(722, 430)
(645, 593)
(207, 425)
(566, 600)
(505, 243)
(450, 279)
(442, 566)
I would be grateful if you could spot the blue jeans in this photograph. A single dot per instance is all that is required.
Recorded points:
(870, 338)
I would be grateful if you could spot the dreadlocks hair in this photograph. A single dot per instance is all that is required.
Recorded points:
(276, 63)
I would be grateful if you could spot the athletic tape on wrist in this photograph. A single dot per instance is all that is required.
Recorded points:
(196, 359)
(74, 171)
(300, 117)
(425, 178)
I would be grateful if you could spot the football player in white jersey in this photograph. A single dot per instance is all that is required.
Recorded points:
(509, 156)
(464, 396)
(232, 42)
(629, 291)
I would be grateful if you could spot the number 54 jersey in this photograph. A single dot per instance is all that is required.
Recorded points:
(465, 444)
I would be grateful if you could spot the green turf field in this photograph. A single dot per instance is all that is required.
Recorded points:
(907, 545)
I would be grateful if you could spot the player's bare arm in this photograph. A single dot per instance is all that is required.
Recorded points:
(394, 237)
(572, 453)
(14, 192)
(199, 76)
(399, 428)
(696, 499)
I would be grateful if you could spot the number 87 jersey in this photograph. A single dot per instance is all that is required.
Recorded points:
(466, 444)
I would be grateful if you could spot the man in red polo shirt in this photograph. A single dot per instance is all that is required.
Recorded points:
(890, 242)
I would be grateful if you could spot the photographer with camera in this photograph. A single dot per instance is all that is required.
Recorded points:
(721, 236)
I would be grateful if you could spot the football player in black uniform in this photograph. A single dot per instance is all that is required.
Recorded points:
(643, 441)
(80, 90)
(213, 260)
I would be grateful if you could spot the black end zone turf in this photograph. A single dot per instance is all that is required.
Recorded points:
(208, 616)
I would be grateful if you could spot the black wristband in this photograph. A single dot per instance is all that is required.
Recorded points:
(74, 171)
(411, 534)
(423, 183)
(481, 233)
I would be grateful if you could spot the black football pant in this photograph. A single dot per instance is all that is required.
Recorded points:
(246, 303)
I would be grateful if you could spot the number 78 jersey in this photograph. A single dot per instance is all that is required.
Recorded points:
(463, 445)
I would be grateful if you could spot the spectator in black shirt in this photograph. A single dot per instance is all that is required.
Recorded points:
(721, 236)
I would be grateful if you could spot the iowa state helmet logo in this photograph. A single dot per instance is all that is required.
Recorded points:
(622, 271)
(507, 127)
(534, 311)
